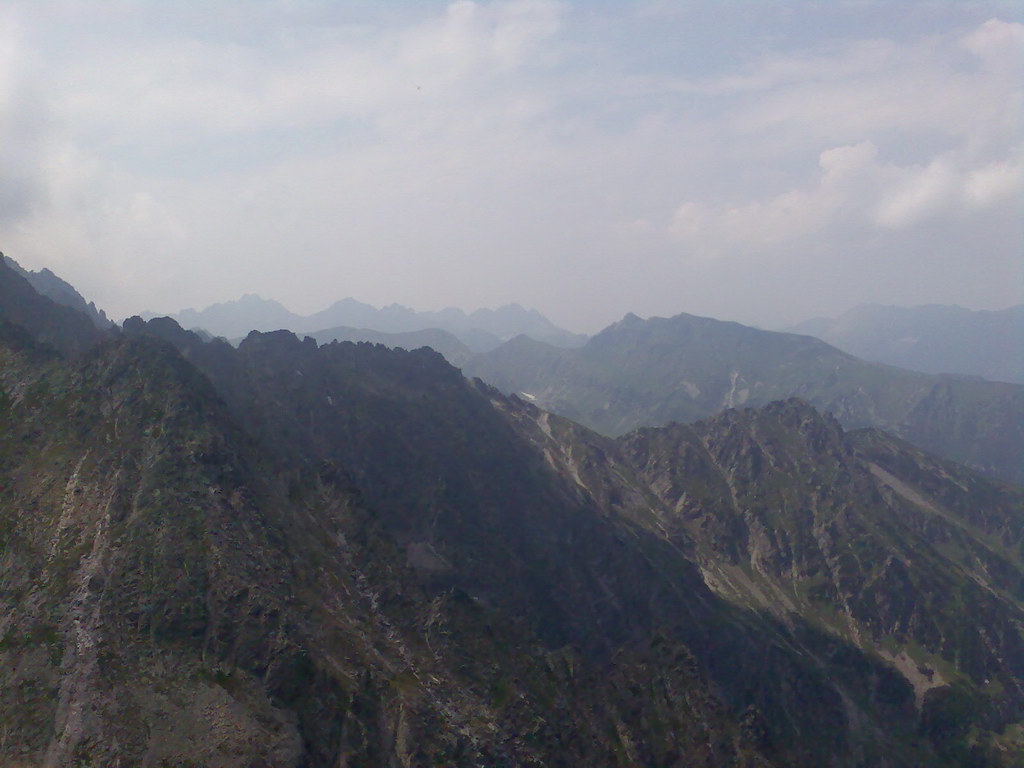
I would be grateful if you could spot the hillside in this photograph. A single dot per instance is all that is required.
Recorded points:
(178, 595)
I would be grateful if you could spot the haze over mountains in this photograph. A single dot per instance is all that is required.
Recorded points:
(932, 338)
(480, 330)
(651, 372)
(294, 554)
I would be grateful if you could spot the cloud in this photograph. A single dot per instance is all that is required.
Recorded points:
(197, 88)
(22, 128)
(162, 155)
(995, 182)
(875, 92)
(919, 193)
(996, 42)
(717, 231)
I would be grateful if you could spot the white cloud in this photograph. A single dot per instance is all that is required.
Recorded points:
(784, 218)
(194, 88)
(922, 192)
(477, 153)
(996, 42)
(995, 182)
(886, 96)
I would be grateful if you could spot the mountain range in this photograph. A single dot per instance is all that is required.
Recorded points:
(300, 554)
(480, 330)
(932, 338)
(649, 373)
(652, 372)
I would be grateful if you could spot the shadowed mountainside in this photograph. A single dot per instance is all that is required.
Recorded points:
(171, 594)
(49, 322)
(52, 287)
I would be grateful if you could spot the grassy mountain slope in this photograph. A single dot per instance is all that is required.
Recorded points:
(911, 559)
(426, 447)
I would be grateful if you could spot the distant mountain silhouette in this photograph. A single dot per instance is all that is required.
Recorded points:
(49, 322)
(934, 338)
(481, 330)
(454, 351)
(52, 287)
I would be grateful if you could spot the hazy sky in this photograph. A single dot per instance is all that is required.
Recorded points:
(757, 161)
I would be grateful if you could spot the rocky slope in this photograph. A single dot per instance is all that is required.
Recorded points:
(796, 515)
(652, 372)
(908, 558)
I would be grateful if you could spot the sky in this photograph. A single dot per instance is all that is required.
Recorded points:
(764, 162)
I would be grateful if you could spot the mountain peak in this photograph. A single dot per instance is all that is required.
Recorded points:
(630, 320)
